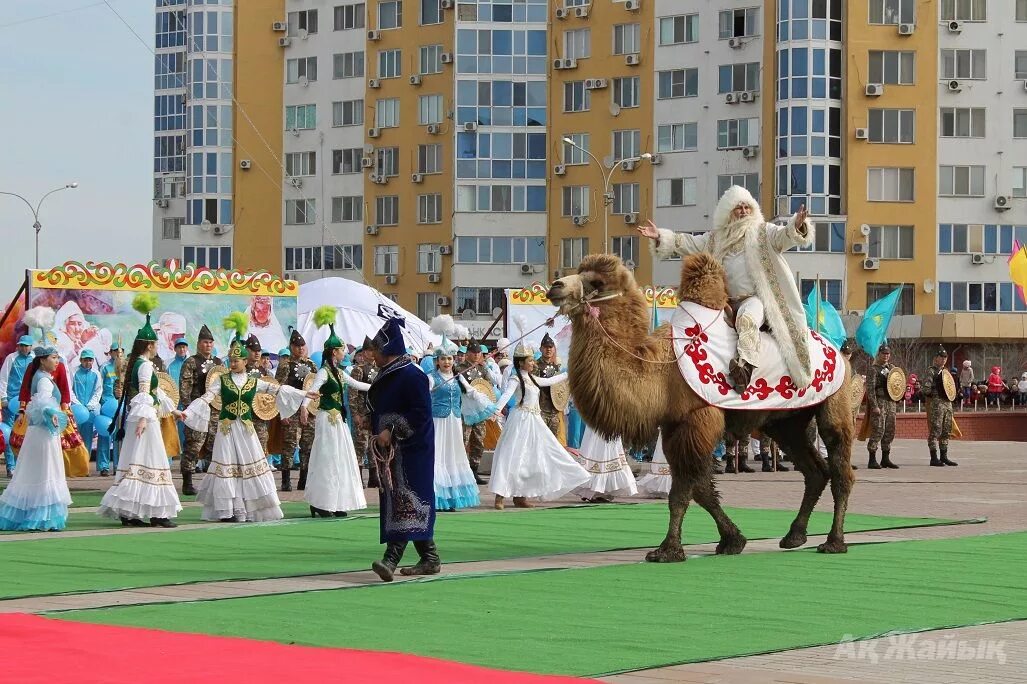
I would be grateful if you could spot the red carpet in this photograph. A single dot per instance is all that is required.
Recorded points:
(37, 649)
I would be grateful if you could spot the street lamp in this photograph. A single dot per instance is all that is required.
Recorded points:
(607, 176)
(37, 226)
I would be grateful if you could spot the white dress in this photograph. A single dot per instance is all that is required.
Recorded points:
(656, 481)
(37, 496)
(529, 460)
(239, 484)
(455, 486)
(607, 465)
(333, 476)
(143, 487)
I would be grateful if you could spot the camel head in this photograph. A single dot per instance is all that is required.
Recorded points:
(598, 275)
(703, 281)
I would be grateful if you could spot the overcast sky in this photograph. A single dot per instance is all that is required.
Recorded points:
(76, 94)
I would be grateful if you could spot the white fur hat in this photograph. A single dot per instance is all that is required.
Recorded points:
(731, 198)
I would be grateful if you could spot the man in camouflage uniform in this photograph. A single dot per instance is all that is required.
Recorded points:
(293, 371)
(475, 367)
(882, 410)
(191, 386)
(255, 367)
(364, 370)
(547, 367)
(939, 410)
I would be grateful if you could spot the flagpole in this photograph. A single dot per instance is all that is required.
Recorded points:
(816, 288)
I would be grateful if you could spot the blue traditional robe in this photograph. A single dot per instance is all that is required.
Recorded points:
(399, 399)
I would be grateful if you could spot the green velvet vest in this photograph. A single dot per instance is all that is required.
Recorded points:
(237, 404)
(331, 395)
(133, 381)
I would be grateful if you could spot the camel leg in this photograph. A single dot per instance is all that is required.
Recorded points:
(791, 435)
(682, 468)
(732, 541)
(704, 431)
(837, 430)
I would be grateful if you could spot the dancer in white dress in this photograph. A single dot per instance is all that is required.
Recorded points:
(37, 496)
(143, 492)
(334, 485)
(529, 461)
(607, 464)
(656, 481)
(239, 484)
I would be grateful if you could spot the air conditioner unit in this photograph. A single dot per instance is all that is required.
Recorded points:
(391, 280)
(279, 26)
(871, 264)
(559, 170)
(442, 301)
(977, 259)
(245, 164)
(435, 278)
(284, 42)
(864, 229)
(859, 248)
(220, 230)
(906, 29)
(955, 26)
(656, 159)
(303, 81)
(1002, 202)
(631, 60)
(565, 64)
(445, 250)
(874, 90)
(432, 129)
(373, 132)
(561, 12)
(417, 178)
(595, 83)
(631, 219)
(371, 229)
(954, 86)
(296, 182)
(527, 269)
(380, 179)
(162, 203)
(628, 166)
(470, 126)
(735, 43)
(579, 220)
(446, 58)
(374, 34)
(633, 5)
(374, 83)
(751, 151)
(731, 98)
(415, 80)
(749, 96)
(446, 4)
(862, 133)
(367, 162)
(582, 12)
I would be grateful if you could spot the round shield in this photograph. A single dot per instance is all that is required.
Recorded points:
(485, 387)
(264, 406)
(215, 373)
(857, 387)
(308, 382)
(949, 383)
(561, 393)
(896, 384)
(168, 385)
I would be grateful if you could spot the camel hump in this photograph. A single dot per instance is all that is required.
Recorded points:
(703, 281)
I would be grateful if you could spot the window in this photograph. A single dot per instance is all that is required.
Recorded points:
(892, 67)
(429, 109)
(964, 10)
(1020, 123)
(830, 290)
(348, 208)
(304, 68)
(1020, 64)
(171, 228)
(876, 291)
(626, 144)
(1021, 10)
(427, 303)
(344, 257)
(675, 192)
(387, 113)
(301, 117)
(573, 251)
(888, 184)
(501, 198)
(626, 198)
(348, 65)
(575, 97)
(575, 200)
(431, 12)
(300, 212)
(429, 158)
(736, 133)
(678, 83)
(891, 126)
(348, 113)
(1019, 183)
(739, 77)
(961, 238)
(168, 187)
(390, 14)
(683, 28)
(829, 238)
(429, 258)
(891, 242)
(963, 64)
(891, 12)
(740, 23)
(349, 17)
(626, 91)
(347, 161)
(677, 137)
(962, 296)
(961, 181)
(303, 258)
(301, 164)
(480, 300)
(626, 39)
(576, 155)
(302, 22)
(209, 257)
(387, 161)
(501, 250)
(386, 210)
(429, 208)
(577, 44)
(390, 63)
(627, 249)
(962, 122)
(430, 59)
(386, 260)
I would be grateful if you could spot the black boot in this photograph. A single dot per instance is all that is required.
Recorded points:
(872, 463)
(286, 479)
(934, 458)
(429, 563)
(187, 485)
(477, 477)
(386, 567)
(886, 461)
(729, 464)
(162, 522)
(768, 467)
(743, 465)
(302, 484)
(945, 457)
(781, 467)
(372, 477)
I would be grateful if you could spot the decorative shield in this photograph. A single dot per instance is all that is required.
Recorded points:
(308, 382)
(858, 388)
(215, 373)
(167, 384)
(264, 406)
(485, 387)
(949, 383)
(896, 384)
(561, 393)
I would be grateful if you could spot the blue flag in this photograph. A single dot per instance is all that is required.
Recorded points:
(873, 330)
(824, 318)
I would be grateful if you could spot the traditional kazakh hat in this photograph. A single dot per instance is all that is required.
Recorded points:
(41, 317)
(445, 348)
(205, 334)
(389, 340)
(253, 344)
(325, 315)
(522, 350)
(144, 303)
(239, 322)
(941, 352)
(296, 338)
(547, 341)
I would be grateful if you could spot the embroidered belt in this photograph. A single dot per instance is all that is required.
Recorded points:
(530, 409)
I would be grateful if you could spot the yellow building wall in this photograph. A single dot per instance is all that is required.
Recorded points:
(600, 123)
(258, 77)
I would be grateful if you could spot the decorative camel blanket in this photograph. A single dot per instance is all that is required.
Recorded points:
(704, 345)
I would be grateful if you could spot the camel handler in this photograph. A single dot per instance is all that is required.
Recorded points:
(191, 386)
(293, 372)
(940, 389)
(882, 408)
(760, 284)
(548, 366)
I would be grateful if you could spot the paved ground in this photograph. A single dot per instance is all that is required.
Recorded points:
(990, 482)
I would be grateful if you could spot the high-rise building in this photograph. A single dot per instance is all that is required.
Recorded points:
(446, 149)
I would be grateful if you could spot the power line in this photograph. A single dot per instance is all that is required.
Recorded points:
(52, 14)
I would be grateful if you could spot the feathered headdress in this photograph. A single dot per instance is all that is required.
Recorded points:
(522, 350)
(239, 322)
(41, 317)
(443, 325)
(144, 303)
(325, 315)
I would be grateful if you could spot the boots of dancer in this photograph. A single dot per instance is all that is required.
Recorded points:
(386, 567)
(430, 564)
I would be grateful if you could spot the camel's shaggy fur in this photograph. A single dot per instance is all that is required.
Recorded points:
(625, 382)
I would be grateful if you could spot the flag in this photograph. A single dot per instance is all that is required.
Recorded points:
(824, 318)
(873, 329)
(1018, 268)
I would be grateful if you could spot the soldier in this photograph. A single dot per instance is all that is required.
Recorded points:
(255, 367)
(364, 370)
(882, 410)
(192, 386)
(547, 367)
(939, 410)
(475, 367)
(292, 372)
(765, 445)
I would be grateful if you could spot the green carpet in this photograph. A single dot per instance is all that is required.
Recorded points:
(619, 618)
(107, 562)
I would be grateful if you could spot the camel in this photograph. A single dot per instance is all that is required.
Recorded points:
(625, 382)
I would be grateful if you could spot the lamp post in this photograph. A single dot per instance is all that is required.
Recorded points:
(37, 226)
(607, 176)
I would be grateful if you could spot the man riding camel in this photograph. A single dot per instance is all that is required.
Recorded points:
(760, 283)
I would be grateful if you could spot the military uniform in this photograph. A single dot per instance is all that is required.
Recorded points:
(364, 372)
(253, 369)
(191, 386)
(474, 435)
(939, 412)
(882, 425)
(293, 372)
(550, 415)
